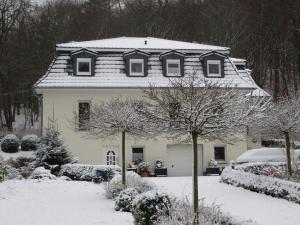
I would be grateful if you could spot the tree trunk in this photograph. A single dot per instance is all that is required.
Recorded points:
(195, 178)
(288, 152)
(123, 160)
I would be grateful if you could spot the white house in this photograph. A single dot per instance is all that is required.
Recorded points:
(83, 73)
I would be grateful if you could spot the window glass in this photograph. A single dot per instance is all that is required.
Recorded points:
(84, 67)
(137, 154)
(84, 115)
(173, 67)
(219, 152)
(213, 68)
(136, 67)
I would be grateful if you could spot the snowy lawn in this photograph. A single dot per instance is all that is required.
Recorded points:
(57, 202)
(240, 203)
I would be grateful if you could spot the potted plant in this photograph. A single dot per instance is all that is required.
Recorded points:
(144, 169)
(213, 168)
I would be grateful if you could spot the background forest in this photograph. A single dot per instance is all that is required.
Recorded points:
(265, 32)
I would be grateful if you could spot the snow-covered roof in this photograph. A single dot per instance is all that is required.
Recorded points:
(110, 73)
(110, 65)
(237, 60)
(150, 43)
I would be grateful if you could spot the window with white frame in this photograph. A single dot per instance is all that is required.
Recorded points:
(111, 158)
(213, 68)
(173, 67)
(136, 67)
(219, 153)
(84, 66)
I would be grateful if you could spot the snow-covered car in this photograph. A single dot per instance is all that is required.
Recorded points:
(265, 155)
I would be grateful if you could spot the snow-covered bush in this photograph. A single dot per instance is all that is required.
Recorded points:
(21, 166)
(262, 184)
(3, 170)
(42, 173)
(257, 168)
(114, 187)
(272, 171)
(52, 151)
(146, 207)
(10, 143)
(144, 167)
(212, 163)
(30, 142)
(84, 172)
(125, 199)
(182, 212)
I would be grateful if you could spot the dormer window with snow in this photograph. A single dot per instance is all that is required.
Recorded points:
(213, 64)
(84, 67)
(136, 67)
(173, 67)
(136, 63)
(83, 62)
(214, 68)
(172, 63)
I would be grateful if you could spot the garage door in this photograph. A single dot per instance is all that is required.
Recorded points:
(180, 160)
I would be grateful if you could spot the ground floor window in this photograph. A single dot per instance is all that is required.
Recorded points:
(219, 153)
(137, 154)
(111, 158)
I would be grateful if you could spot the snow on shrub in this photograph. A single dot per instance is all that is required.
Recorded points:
(114, 187)
(182, 212)
(144, 167)
(3, 170)
(125, 199)
(146, 207)
(42, 173)
(257, 168)
(30, 142)
(262, 184)
(10, 143)
(84, 172)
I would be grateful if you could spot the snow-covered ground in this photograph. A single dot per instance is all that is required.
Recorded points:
(59, 202)
(240, 203)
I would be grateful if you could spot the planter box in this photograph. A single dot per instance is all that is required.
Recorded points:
(213, 171)
(161, 172)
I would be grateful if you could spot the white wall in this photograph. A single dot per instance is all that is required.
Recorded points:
(62, 103)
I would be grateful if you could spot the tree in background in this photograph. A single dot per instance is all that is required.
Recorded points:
(282, 120)
(113, 119)
(192, 108)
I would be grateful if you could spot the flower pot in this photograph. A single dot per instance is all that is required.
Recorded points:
(144, 174)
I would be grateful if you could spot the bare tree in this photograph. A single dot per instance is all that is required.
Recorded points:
(282, 120)
(192, 108)
(112, 118)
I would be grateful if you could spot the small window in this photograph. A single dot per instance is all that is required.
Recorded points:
(137, 154)
(136, 67)
(219, 152)
(240, 67)
(214, 68)
(110, 158)
(84, 67)
(83, 115)
(173, 67)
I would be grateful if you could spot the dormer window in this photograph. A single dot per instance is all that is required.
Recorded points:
(84, 66)
(136, 67)
(214, 68)
(172, 63)
(213, 64)
(136, 63)
(83, 61)
(173, 67)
